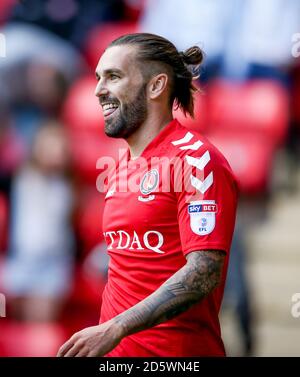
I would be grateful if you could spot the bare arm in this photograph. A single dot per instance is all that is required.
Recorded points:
(194, 281)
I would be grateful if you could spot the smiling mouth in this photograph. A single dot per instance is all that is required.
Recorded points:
(109, 109)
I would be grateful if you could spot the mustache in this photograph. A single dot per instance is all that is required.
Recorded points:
(107, 99)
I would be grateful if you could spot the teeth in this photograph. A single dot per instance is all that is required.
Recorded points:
(109, 106)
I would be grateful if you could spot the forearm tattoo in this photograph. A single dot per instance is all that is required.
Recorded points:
(194, 281)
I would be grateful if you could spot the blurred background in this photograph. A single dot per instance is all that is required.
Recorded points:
(52, 257)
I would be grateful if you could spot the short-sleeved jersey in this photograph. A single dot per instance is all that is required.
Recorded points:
(179, 196)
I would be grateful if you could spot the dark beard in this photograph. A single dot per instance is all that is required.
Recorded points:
(131, 117)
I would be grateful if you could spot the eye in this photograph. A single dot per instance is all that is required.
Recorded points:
(113, 76)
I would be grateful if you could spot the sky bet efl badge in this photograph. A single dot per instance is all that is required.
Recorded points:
(202, 216)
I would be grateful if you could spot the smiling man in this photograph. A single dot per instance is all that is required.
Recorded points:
(125, 108)
(168, 248)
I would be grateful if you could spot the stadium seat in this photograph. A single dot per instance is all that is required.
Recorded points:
(250, 158)
(20, 339)
(81, 109)
(91, 154)
(257, 105)
(6, 7)
(83, 306)
(133, 9)
(89, 219)
(100, 37)
(199, 122)
(84, 122)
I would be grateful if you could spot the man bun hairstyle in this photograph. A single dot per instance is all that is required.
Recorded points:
(192, 58)
(182, 67)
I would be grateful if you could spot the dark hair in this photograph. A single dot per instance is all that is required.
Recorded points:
(182, 66)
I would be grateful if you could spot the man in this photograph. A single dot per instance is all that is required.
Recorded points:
(168, 245)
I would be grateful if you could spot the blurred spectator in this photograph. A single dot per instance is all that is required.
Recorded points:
(35, 75)
(200, 22)
(70, 19)
(12, 149)
(260, 39)
(237, 295)
(39, 266)
(38, 95)
(27, 43)
(241, 38)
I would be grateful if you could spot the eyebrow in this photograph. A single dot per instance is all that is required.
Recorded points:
(108, 72)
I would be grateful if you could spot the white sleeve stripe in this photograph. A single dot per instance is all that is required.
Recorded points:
(199, 163)
(188, 137)
(194, 146)
(202, 186)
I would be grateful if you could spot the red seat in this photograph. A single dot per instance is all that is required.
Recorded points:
(250, 157)
(83, 118)
(133, 9)
(101, 36)
(93, 154)
(81, 109)
(83, 306)
(21, 339)
(6, 7)
(257, 105)
(89, 219)
(200, 121)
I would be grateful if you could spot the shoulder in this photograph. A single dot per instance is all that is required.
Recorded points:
(193, 147)
(200, 162)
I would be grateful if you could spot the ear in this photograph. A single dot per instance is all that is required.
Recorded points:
(157, 85)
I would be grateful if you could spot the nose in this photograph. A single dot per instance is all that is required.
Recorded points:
(100, 89)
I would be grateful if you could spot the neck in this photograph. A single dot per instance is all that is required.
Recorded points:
(147, 132)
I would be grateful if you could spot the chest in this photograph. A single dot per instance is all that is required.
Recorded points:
(137, 211)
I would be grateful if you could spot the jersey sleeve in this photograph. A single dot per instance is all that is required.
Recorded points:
(206, 201)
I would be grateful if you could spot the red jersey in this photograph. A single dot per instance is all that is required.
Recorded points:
(179, 196)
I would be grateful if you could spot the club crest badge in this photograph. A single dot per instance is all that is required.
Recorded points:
(202, 216)
(149, 182)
